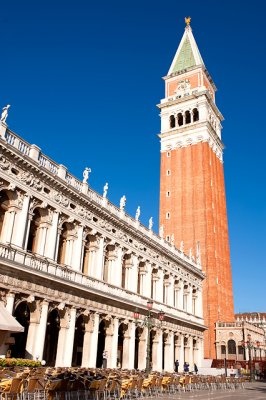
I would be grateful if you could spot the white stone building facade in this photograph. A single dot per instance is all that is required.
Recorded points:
(74, 267)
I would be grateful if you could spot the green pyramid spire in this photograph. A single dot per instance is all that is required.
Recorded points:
(187, 54)
(185, 58)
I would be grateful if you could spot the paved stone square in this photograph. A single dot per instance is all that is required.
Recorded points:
(252, 391)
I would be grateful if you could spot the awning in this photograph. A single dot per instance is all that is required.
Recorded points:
(8, 322)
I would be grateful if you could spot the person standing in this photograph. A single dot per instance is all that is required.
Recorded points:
(176, 365)
(195, 369)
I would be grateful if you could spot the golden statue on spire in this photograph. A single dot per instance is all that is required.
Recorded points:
(187, 20)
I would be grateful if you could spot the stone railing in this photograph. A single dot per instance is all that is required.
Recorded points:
(38, 264)
(45, 162)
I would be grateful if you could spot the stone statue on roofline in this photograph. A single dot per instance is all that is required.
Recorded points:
(86, 173)
(4, 114)
(172, 239)
(105, 190)
(182, 246)
(137, 214)
(123, 203)
(161, 231)
(150, 223)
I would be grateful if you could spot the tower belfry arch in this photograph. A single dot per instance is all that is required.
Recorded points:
(192, 194)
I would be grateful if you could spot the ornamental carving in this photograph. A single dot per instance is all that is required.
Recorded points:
(4, 163)
(30, 180)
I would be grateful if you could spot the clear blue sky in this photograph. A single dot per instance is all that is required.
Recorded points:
(84, 78)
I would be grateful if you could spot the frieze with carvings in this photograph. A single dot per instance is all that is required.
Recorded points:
(30, 180)
(4, 163)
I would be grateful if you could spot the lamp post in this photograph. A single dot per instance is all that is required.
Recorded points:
(149, 322)
(249, 345)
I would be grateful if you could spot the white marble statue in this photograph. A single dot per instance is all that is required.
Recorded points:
(123, 202)
(190, 253)
(182, 246)
(86, 173)
(137, 214)
(105, 190)
(161, 231)
(198, 253)
(172, 239)
(150, 223)
(4, 114)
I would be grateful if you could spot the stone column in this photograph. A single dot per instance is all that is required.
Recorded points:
(200, 352)
(90, 343)
(157, 350)
(70, 335)
(147, 279)
(32, 333)
(10, 299)
(61, 342)
(42, 234)
(41, 332)
(91, 258)
(21, 222)
(133, 284)
(111, 341)
(129, 346)
(189, 300)
(171, 291)
(77, 249)
(181, 352)
(159, 286)
(8, 225)
(199, 306)
(128, 273)
(181, 296)
(169, 353)
(190, 355)
(116, 268)
(142, 349)
(100, 260)
(52, 239)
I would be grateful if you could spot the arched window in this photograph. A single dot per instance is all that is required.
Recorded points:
(187, 117)
(34, 231)
(195, 115)
(231, 346)
(223, 349)
(180, 119)
(4, 204)
(172, 121)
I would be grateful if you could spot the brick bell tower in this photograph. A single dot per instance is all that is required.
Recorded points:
(192, 191)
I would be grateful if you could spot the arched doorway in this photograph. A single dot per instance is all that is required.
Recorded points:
(121, 331)
(22, 315)
(231, 346)
(101, 345)
(78, 342)
(138, 333)
(165, 337)
(51, 337)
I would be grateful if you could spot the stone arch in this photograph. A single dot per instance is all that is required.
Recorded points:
(6, 202)
(100, 360)
(195, 113)
(180, 119)
(22, 315)
(187, 117)
(78, 341)
(172, 121)
(51, 336)
(231, 346)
